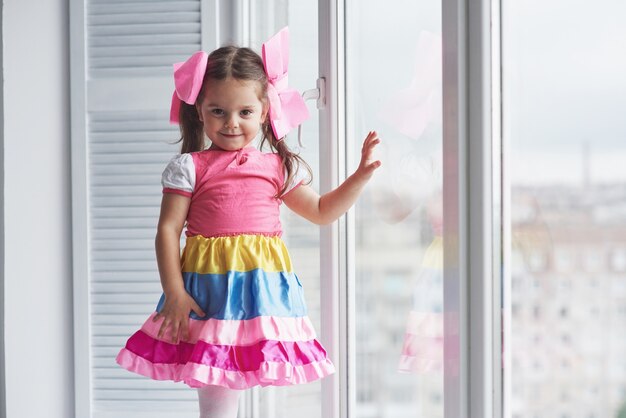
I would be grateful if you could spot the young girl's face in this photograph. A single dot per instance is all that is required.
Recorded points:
(231, 112)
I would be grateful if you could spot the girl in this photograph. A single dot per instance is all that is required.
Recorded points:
(234, 316)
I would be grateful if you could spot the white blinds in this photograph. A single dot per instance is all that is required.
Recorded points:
(131, 46)
(128, 151)
(141, 37)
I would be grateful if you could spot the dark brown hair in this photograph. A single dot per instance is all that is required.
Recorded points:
(246, 65)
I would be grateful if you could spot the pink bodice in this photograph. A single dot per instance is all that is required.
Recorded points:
(234, 192)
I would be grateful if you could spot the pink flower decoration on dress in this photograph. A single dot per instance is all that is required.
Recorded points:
(188, 77)
(287, 109)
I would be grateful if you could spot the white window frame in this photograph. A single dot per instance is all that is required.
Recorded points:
(337, 306)
(472, 237)
(473, 355)
(80, 211)
(473, 376)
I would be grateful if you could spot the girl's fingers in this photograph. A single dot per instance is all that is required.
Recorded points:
(179, 328)
(373, 165)
(196, 308)
(175, 329)
(372, 144)
(163, 328)
(184, 330)
(372, 139)
(367, 152)
(369, 149)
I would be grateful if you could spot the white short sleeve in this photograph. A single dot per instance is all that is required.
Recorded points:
(179, 175)
(300, 176)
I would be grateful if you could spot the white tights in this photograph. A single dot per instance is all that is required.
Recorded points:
(218, 402)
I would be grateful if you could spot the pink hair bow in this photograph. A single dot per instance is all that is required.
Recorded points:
(188, 78)
(287, 109)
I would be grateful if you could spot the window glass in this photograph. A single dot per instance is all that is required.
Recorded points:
(393, 86)
(564, 96)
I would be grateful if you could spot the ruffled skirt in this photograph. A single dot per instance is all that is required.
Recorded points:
(255, 332)
(422, 350)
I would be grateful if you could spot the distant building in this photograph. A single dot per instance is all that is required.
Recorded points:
(568, 301)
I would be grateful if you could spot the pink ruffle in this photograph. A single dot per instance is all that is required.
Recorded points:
(422, 351)
(410, 364)
(197, 375)
(425, 347)
(227, 357)
(240, 332)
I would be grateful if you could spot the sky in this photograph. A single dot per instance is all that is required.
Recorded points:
(564, 83)
(564, 89)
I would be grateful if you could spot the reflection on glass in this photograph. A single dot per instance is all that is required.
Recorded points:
(301, 237)
(565, 93)
(394, 87)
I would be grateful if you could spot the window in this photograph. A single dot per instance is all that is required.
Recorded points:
(562, 91)
(394, 87)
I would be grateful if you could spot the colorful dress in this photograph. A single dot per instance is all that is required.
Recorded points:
(236, 267)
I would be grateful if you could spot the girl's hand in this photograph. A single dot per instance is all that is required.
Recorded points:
(323, 210)
(368, 165)
(176, 314)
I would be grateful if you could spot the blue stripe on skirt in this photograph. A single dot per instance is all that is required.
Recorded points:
(244, 295)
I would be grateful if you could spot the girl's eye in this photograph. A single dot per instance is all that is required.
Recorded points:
(217, 112)
(246, 112)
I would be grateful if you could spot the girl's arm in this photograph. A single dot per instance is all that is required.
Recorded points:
(323, 210)
(178, 303)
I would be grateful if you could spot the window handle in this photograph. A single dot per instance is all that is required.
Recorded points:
(319, 94)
